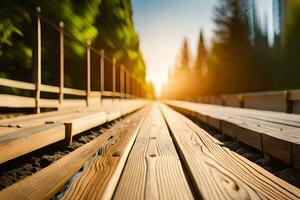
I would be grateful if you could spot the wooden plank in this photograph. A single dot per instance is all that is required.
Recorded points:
(294, 95)
(153, 169)
(16, 84)
(83, 123)
(278, 148)
(12, 101)
(202, 118)
(251, 125)
(46, 183)
(27, 140)
(72, 91)
(49, 103)
(249, 137)
(100, 177)
(232, 100)
(228, 129)
(296, 107)
(107, 93)
(50, 89)
(218, 173)
(61, 62)
(274, 101)
(214, 122)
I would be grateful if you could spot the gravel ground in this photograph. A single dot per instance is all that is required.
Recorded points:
(276, 167)
(17, 169)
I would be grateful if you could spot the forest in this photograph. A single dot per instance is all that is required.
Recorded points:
(108, 24)
(241, 57)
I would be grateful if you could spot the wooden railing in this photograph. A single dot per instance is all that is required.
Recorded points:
(281, 101)
(130, 86)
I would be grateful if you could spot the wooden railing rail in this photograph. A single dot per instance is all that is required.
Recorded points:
(125, 88)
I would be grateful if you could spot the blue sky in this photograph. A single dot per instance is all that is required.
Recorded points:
(163, 24)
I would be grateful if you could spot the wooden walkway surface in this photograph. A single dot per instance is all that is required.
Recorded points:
(274, 133)
(157, 153)
(28, 133)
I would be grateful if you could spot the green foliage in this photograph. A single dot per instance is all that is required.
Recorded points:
(292, 47)
(107, 24)
(122, 40)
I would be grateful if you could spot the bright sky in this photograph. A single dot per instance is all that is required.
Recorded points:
(163, 24)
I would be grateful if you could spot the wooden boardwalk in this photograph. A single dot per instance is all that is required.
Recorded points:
(157, 153)
(273, 133)
(28, 133)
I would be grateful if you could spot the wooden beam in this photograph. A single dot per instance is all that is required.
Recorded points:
(88, 72)
(218, 173)
(17, 84)
(61, 63)
(153, 169)
(114, 76)
(100, 177)
(38, 64)
(102, 70)
(28, 139)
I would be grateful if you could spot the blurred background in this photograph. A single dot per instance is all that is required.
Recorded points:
(255, 46)
(181, 49)
(108, 24)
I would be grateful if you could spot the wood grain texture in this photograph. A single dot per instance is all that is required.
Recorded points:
(219, 173)
(273, 101)
(50, 180)
(232, 100)
(262, 130)
(25, 140)
(229, 129)
(278, 148)
(99, 179)
(25, 134)
(153, 169)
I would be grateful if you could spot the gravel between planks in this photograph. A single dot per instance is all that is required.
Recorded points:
(19, 168)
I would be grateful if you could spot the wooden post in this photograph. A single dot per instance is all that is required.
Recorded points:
(133, 86)
(122, 80)
(61, 63)
(137, 88)
(38, 62)
(114, 76)
(102, 71)
(88, 72)
(128, 78)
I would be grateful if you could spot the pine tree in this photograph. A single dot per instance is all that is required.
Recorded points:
(231, 61)
(185, 58)
(202, 53)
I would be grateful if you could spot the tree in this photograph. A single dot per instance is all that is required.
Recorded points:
(292, 47)
(108, 24)
(202, 53)
(185, 56)
(231, 67)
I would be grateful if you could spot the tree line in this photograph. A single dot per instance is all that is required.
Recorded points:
(108, 24)
(241, 58)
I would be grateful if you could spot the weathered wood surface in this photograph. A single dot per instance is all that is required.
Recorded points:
(52, 179)
(232, 100)
(25, 140)
(271, 132)
(274, 101)
(25, 134)
(217, 172)
(100, 177)
(153, 169)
